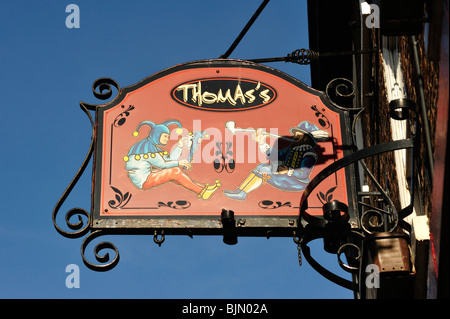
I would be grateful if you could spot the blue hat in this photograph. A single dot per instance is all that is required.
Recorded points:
(310, 129)
(149, 144)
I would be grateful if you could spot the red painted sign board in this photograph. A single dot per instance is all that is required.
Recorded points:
(175, 149)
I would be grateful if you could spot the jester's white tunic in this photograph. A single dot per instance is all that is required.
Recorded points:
(141, 166)
(149, 166)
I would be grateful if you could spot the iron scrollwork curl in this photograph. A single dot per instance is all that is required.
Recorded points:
(340, 92)
(106, 264)
(79, 229)
(372, 221)
(104, 86)
(102, 89)
(355, 260)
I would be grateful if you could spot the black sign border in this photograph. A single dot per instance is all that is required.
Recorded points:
(211, 224)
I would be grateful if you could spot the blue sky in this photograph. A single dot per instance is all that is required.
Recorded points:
(46, 69)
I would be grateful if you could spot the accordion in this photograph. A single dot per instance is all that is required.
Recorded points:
(295, 155)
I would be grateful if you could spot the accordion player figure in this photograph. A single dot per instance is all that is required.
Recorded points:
(289, 167)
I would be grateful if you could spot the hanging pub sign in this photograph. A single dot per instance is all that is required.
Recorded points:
(175, 150)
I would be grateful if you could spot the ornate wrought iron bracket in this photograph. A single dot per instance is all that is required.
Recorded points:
(102, 89)
(338, 235)
(333, 226)
(80, 228)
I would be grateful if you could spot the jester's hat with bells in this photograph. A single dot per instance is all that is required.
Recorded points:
(149, 145)
(312, 131)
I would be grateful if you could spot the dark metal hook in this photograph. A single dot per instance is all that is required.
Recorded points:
(159, 241)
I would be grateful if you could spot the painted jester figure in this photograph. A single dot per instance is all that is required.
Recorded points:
(289, 167)
(149, 165)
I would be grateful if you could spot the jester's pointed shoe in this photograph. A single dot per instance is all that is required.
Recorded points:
(208, 190)
(238, 194)
(251, 183)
